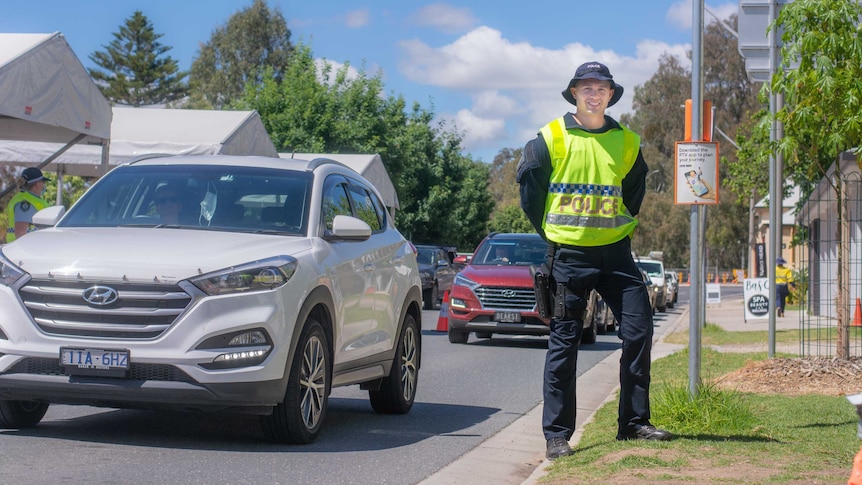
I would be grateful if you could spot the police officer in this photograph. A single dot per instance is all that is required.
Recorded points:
(582, 181)
(28, 201)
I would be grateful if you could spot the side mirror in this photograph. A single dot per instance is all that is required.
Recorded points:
(49, 216)
(349, 229)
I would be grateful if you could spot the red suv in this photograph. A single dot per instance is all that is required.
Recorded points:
(494, 293)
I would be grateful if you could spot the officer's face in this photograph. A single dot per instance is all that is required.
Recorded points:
(38, 188)
(592, 95)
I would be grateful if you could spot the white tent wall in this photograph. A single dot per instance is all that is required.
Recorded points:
(369, 166)
(45, 92)
(141, 131)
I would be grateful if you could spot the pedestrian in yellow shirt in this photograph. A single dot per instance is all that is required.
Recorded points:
(783, 278)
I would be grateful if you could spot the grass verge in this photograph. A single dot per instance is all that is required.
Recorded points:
(713, 334)
(722, 436)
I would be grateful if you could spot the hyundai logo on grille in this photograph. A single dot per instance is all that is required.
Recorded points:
(100, 295)
(509, 293)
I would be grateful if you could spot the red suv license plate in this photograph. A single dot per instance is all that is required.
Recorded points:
(507, 317)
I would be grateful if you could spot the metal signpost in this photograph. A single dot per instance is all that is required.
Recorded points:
(760, 47)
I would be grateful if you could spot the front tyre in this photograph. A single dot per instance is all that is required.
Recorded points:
(457, 336)
(299, 417)
(21, 414)
(589, 335)
(398, 389)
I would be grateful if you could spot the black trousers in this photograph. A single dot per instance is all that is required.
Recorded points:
(781, 291)
(613, 273)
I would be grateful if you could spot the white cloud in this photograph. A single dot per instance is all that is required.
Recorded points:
(478, 130)
(357, 18)
(679, 14)
(494, 103)
(723, 12)
(516, 87)
(445, 18)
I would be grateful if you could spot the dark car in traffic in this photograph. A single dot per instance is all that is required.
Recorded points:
(437, 272)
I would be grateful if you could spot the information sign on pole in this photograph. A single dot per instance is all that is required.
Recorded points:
(695, 178)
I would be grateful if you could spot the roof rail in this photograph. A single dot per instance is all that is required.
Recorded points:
(148, 156)
(314, 163)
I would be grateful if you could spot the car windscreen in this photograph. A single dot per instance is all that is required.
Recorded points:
(211, 197)
(521, 251)
(425, 256)
(653, 268)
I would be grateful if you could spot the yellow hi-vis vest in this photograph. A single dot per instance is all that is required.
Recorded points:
(585, 199)
(22, 196)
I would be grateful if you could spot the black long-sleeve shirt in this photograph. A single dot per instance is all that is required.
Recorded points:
(534, 175)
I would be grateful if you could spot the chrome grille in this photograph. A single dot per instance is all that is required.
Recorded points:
(142, 311)
(502, 298)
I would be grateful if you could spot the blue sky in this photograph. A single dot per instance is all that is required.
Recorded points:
(493, 70)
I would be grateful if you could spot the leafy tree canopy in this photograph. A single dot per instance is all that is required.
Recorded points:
(443, 195)
(822, 112)
(254, 38)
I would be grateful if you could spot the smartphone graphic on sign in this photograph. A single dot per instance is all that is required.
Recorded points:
(696, 184)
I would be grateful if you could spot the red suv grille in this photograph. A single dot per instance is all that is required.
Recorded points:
(496, 298)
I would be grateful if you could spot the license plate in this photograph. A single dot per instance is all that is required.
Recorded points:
(507, 317)
(94, 361)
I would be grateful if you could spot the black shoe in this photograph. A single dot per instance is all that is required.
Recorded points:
(644, 432)
(558, 447)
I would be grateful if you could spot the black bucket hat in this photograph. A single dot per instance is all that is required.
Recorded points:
(593, 70)
(31, 175)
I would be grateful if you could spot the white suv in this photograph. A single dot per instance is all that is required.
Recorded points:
(655, 270)
(275, 281)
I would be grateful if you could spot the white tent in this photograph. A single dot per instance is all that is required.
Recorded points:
(369, 166)
(47, 97)
(140, 131)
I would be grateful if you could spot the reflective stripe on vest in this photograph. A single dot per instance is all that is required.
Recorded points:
(584, 205)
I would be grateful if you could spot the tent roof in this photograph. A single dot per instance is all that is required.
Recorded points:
(369, 166)
(46, 94)
(139, 131)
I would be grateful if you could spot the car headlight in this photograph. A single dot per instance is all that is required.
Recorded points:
(266, 274)
(9, 273)
(464, 281)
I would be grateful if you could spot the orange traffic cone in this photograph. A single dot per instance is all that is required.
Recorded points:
(443, 319)
(857, 316)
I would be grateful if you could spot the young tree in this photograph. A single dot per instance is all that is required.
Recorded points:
(822, 112)
(254, 38)
(135, 70)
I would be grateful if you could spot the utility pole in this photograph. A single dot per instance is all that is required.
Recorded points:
(696, 287)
